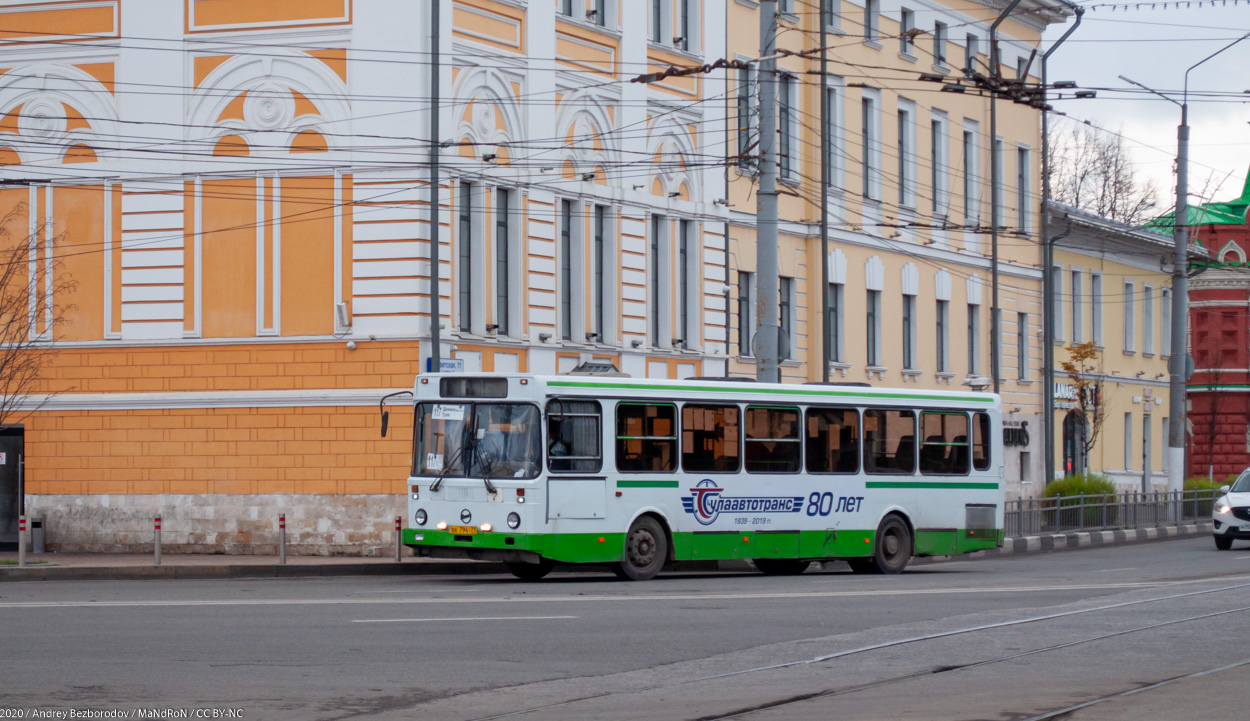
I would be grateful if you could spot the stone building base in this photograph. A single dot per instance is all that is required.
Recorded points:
(316, 525)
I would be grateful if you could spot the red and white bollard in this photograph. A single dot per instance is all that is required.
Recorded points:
(282, 538)
(21, 541)
(156, 544)
(399, 538)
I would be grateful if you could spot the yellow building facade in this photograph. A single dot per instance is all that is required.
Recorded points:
(239, 192)
(1113, 288)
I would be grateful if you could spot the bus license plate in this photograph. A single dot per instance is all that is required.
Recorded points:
(462, 530)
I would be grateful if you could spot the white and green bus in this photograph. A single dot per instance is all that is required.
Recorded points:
(539, 470)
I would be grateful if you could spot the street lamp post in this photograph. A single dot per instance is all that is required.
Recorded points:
(1180, 284)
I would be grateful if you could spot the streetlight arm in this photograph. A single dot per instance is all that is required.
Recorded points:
(1217, 52)
(1150, 90)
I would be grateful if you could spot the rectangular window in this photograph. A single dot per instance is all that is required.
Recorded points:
(906, 24)
(943, 335)
(1165, 322)
(904, 158)
(831, 121)
(566, 8)
(939, 43)
(683, 282)
(874, 328)
(657, 223)
(1095, 310)
(828, 14)
(1022, 346)
(600, 262)
(1056, 301)
(832, 440)
(937, 166)
(466, 257)
(970, 55)
(785, 119)
(1164, 445)
(1128, 441)
(909, 331)
(746, 115)
(600, 17)
(981, 441)
(1022, 64)
(974, 338)
(709, 438)
(657, 21)
(573, 436)
(998, 188)
(746, 319)
(1022, 189)
(685, 24)
(772, 443)
(785, 313)
(872, 9)
(944, 450)
(866, 144)
(1077, 294)
(889, 442)
(646, 438)
(566, 269)
(1130, 317)
(502, 249)
(1148, 319)
(835, 322)
(970, 175)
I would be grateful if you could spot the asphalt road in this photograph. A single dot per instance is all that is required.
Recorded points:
(1144, 631)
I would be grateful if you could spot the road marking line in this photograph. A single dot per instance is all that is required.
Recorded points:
(467, 618)
(1109, 570)
(579, 599)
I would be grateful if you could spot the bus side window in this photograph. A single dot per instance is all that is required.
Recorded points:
(646, 438)
(944, 450)
(772, 443)
(889, 442)
(709, 438)
(981, 441)
(573, 436)
(832, 440)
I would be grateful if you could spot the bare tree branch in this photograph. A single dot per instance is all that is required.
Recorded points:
(1093, 171)
(33, 286)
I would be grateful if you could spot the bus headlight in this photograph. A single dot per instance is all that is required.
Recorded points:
(514, 520)
(420, 517)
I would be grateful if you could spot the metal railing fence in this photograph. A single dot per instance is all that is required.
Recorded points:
(1035, 516)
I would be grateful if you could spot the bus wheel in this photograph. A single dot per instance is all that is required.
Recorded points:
(780, 566)
(530, 571)
(646, 549)
(892, 552)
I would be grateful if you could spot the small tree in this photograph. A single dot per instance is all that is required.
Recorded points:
(1089, 405)
(33, 285)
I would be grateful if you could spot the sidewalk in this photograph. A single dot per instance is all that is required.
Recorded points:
(117, 566)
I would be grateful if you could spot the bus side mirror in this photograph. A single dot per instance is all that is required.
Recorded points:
(386, 417)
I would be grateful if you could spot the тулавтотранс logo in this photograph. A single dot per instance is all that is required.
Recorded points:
(706, 503)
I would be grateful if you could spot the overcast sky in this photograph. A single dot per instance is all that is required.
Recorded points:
(1154, 47)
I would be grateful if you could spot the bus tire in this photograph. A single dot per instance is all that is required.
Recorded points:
(891, 552)
(530, 571)
(646, 550)
(780, 566)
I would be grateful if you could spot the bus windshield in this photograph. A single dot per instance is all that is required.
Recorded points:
(477, 440)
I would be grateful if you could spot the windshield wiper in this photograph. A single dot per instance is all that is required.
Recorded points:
(455, 458)
(475, 457)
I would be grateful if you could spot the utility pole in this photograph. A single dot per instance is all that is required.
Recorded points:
(766, 335)
(1180, 285)
(996, 350)
(828, 341)
(435, 80)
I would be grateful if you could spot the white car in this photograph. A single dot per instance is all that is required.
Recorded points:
(1231, 512)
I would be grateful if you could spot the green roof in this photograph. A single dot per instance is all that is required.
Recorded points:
(1232, 212)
